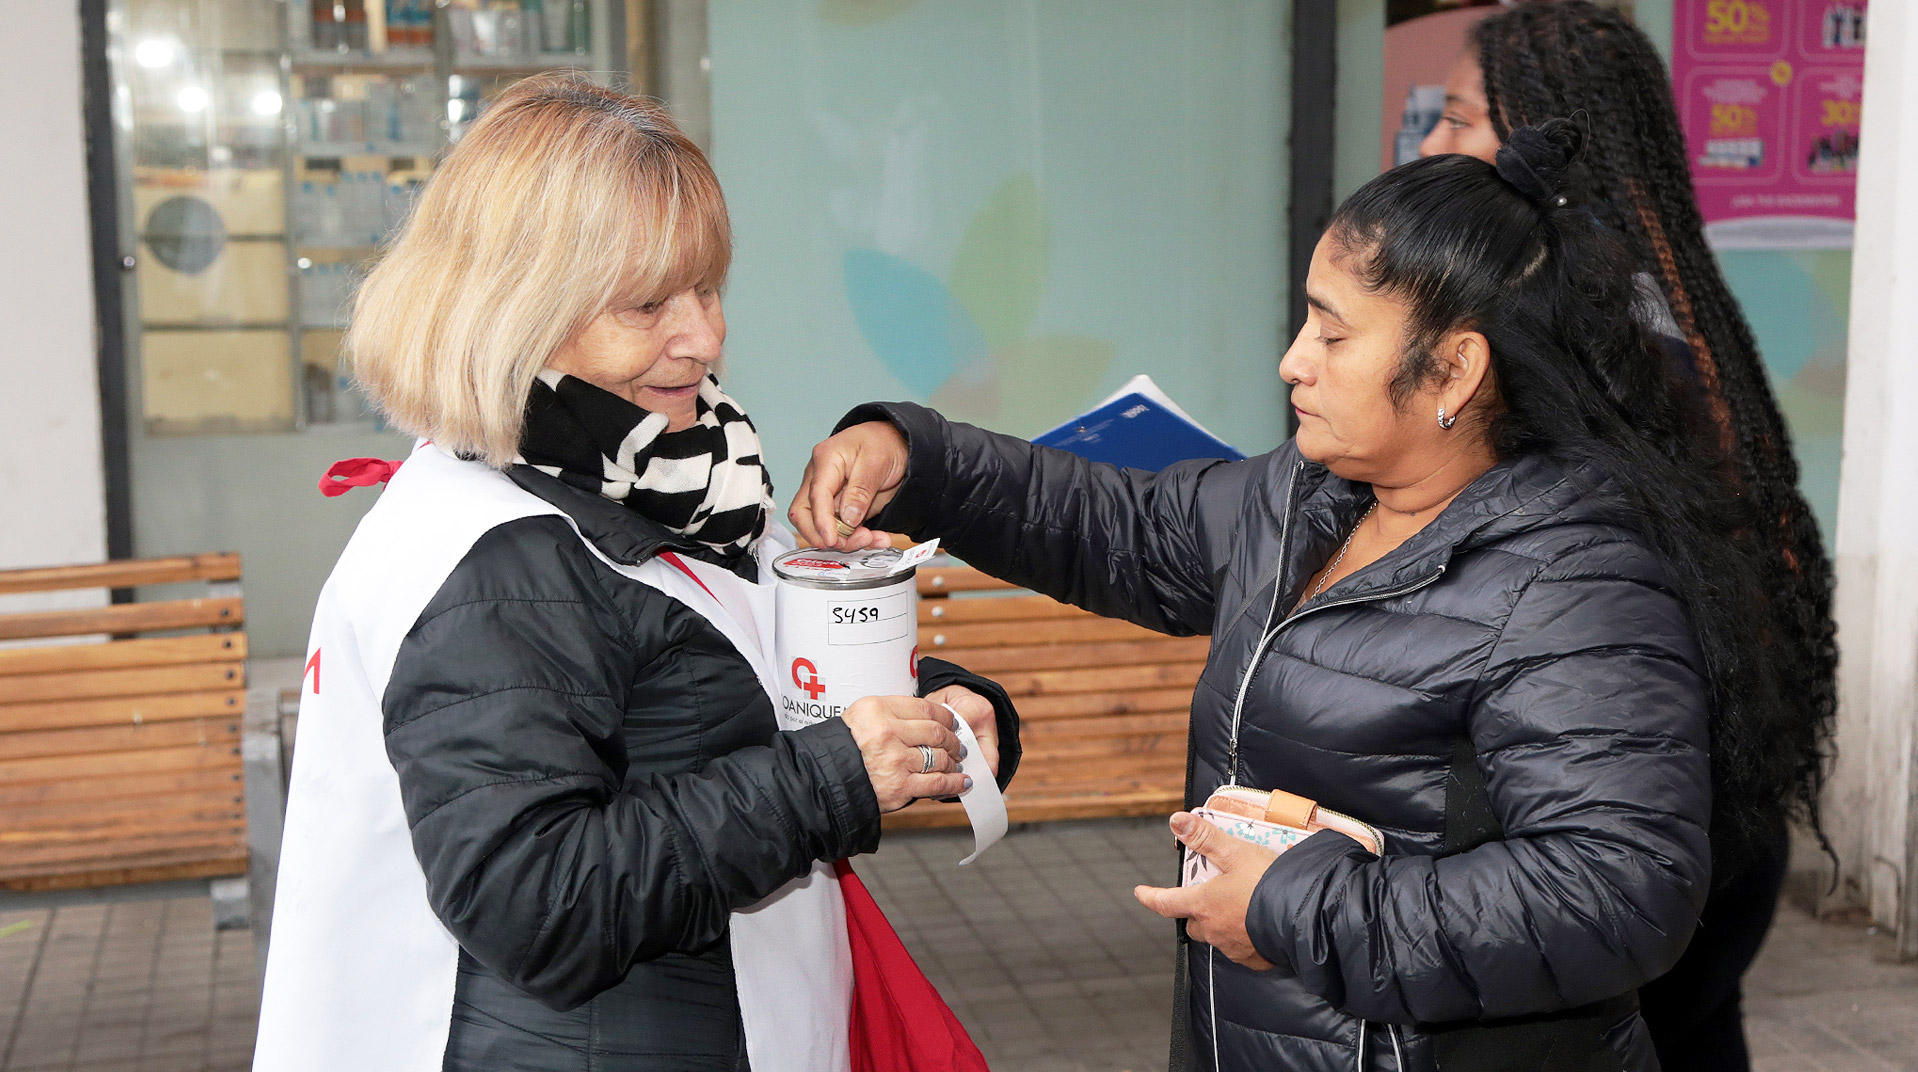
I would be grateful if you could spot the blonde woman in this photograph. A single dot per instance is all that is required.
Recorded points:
(543, 812)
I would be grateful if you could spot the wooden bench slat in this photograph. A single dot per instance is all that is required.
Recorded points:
(103, 839)
(1100, 679)
(936, 581)
(126, 573)
(997, 609)
(936, 640)
(994, 661)
(213, 801)
(1120, 771)
(120, 759)
(122, 787)
(82, 769)
(197, 732)
(1106, 704)
(119, 712)
(1033, 730)
(1093, 706)
(20, 861)
(145, 681)
(1070, 751)
(160, 867)
(120, 654)
(124, 618)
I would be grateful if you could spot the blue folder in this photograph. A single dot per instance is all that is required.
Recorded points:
(1139, 428)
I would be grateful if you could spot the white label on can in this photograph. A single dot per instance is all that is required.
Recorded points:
(871, 621)
(837, 647)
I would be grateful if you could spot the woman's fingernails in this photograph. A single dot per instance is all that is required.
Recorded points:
(1182, 824)
(968, 788)
(962, 751)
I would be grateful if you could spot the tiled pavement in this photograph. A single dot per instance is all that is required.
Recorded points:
(1038, 946)
(136, 985)
(1824, 997)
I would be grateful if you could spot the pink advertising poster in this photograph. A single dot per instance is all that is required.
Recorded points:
(1769, 92)
(1423, 38)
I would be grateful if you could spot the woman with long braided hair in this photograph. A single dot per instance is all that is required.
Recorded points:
(1567, 57)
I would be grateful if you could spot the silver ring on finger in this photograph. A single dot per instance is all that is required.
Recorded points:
(931, 757)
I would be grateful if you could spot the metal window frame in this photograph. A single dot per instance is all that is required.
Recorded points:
(109, 263)
(1315, 51)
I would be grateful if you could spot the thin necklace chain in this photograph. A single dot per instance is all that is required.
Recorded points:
(1326, 577)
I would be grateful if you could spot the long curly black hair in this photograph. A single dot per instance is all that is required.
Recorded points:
(1565, 57)
(1516, 253)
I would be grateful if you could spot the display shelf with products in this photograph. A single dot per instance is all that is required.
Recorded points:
(270, 149)
(410, 59)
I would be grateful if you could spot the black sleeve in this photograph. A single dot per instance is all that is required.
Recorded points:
(1590, 729)
(503, 718)
(936, 674)
(1145, 547)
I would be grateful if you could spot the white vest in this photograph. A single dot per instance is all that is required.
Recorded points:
(360, 973)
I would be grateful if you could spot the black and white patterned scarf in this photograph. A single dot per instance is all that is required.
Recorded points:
(706, 482)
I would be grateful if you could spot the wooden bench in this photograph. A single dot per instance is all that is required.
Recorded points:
(121, 746)
(1104, 704)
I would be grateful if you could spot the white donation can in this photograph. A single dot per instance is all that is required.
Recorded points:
(848, 628)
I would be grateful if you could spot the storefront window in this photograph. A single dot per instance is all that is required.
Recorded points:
(267, 150)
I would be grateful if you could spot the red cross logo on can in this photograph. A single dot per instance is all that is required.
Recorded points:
(810, 683)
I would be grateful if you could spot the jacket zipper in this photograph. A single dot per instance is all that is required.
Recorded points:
(1398, 1055)
(1278, 589)
(1272, 631)
(1238, 710)
(1232, 757)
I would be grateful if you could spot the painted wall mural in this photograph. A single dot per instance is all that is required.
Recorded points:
(1798, 302)
(965, 342)
(1002, 209)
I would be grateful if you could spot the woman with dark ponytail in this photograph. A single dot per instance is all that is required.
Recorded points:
(1569, 56)
(1492, 600)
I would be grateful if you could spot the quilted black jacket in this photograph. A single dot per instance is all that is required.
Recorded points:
(594, 781)
(1513, 696)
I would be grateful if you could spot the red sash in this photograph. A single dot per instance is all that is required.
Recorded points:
(899, 1021)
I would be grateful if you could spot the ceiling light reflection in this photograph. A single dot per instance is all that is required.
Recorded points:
(155, 52)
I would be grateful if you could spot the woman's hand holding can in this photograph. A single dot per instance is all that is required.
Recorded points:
(978, 713)
(891, 731)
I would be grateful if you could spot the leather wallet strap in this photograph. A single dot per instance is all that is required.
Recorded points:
(1289, 809)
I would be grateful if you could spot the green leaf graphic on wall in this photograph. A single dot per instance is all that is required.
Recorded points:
(964, 344)
(1000, 267)
(910, 320)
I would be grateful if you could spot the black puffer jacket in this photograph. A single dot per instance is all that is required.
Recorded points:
(1513, 696)
(595, 782)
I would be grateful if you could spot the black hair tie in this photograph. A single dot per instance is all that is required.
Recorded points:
(1535, 161)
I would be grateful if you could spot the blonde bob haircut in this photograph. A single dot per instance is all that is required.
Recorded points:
(564, 201)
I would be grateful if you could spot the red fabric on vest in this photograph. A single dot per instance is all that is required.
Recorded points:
(899, 1021)
(349, 473)
(674, 561)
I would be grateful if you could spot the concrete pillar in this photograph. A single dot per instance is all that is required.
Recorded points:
(1870, 806)
(52, 487)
